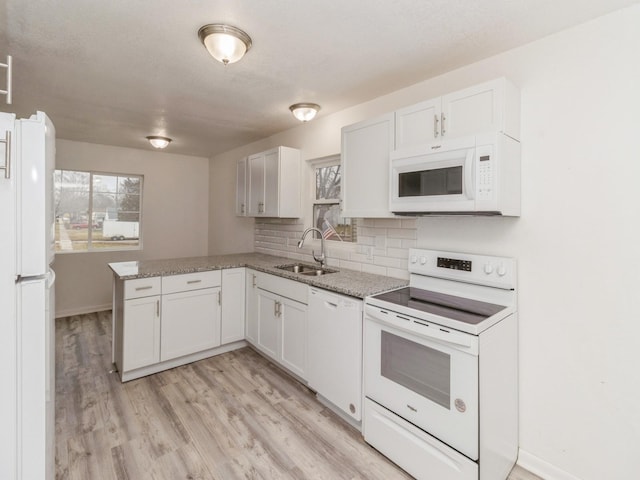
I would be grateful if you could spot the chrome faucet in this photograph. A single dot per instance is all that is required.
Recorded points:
(322, 256)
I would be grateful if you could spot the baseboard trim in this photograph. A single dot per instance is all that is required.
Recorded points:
(82, 310)
(542, 468)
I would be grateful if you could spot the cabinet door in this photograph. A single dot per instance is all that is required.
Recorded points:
(474, 110)
(365, 167)
(190, 322)
(141, 332)
(256, 185)
(241, 188)
(418, 124)
(233, 298)
(293, 345)
(268, 324)
(251, 307)
(271, 183)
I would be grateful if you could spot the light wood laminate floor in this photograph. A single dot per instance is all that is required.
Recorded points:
(234, 416)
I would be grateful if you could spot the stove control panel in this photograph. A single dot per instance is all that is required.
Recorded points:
(480, 269)
(454, 264)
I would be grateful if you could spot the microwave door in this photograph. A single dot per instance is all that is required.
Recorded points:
(437, 182)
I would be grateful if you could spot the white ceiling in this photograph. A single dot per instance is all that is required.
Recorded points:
(115, 71)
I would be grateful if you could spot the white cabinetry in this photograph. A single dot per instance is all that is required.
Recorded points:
(241, 188)
(489, 107)
(282, 321)
(272, 183)
(190, 314)
(138, 324)
(251, 306)
(163, 322)
(335, 350)
(365, 167)
(233, 300)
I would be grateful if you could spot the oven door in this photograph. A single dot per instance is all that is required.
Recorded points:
(439, 178)
(428, 378)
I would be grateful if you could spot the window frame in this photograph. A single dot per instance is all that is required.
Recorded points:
(314, 164)
(90, 212)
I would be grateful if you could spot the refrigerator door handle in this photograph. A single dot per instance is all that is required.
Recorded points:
(7, 154)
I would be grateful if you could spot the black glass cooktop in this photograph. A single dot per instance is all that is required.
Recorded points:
(449, 306)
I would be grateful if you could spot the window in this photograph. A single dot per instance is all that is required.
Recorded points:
(326, 205)
(97, 211)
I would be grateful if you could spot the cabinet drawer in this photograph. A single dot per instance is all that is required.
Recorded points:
(141, 287)
(283, 286)
(191, 281)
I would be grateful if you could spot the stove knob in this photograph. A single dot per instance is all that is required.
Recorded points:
(423, 260)
(488, 268)
(414, 259)
(502, 270)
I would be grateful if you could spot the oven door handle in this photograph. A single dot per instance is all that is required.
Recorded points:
(460, 341)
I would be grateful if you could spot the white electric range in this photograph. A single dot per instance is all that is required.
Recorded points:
(441, 368)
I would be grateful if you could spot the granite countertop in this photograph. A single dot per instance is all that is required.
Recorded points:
(347, 282)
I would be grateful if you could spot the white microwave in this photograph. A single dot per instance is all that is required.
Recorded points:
(478, 175)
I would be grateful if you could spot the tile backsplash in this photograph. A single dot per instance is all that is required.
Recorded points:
(382, 247)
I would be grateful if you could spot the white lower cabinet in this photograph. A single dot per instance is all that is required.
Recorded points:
(233, 305)
(251, 306)
(268, 323)
(293, 338)
(282, 322)
(190, 322)
(141, 332)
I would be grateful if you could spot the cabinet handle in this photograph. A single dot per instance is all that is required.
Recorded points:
(435, 126)
(261, 207)
(219, 297)
(254, 280)
(143, 288)
(442, 122)
(7, 154)
(189, 282)
(242, 208)
(157, 308)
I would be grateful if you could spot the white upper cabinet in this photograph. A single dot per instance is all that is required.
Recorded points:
(272, 184)
(485, 108)
(489, 107)
(418, 124)
(241, 188)
(365, 167)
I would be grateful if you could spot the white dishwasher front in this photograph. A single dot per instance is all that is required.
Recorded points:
(335, 350)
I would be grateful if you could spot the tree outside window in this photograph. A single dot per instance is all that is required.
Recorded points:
(326, 206)
(97, 211)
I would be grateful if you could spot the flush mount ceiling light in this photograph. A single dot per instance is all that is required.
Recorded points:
(159, 142)
(225, 43)
(304, 111)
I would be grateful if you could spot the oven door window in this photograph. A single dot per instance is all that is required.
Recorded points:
(419, 368)
(437, 181)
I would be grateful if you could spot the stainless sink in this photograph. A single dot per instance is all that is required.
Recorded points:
(308, 270)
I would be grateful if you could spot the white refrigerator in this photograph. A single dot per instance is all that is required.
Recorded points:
(27, 337)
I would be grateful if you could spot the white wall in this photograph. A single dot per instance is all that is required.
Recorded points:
(577, 241)
(175, 210)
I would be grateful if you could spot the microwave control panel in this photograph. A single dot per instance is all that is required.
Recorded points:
(485, 176)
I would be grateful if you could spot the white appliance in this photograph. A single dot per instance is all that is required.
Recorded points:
(440, 368)
(27, 343)
(478, 175)
(334, 351)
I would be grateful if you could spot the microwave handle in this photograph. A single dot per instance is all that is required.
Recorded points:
(469, 174)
